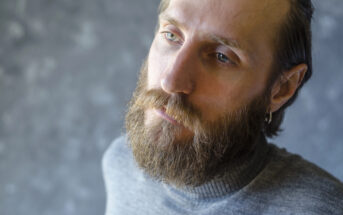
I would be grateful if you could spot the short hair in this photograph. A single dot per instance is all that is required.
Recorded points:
(163, 6)
(293, 46)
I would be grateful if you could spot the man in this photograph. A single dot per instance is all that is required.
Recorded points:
(217, 80)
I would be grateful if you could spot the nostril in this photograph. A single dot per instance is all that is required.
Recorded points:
(177, 86)
(165, 86)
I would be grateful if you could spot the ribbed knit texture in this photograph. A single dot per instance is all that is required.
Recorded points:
(238, 174)
(270, 181)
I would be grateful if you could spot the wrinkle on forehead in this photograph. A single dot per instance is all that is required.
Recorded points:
(246, 13)
(253, 23)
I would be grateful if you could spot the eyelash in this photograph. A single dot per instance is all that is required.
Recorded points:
(219, 55)
(228, 61)
(216, 54)
(165, 33)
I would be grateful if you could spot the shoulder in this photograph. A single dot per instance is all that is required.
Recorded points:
(118, 146)
(117, 153)
(292, 168)
(298, 185)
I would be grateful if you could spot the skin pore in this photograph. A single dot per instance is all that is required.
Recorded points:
(203, 92)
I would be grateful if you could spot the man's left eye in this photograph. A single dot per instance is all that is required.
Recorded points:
(222, 58)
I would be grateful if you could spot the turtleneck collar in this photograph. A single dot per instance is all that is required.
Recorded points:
(237, 175)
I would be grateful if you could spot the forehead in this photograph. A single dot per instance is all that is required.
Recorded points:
(227, 12)
(250, 22)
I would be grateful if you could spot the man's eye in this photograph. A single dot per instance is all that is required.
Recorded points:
(222, 58)
(171, 37)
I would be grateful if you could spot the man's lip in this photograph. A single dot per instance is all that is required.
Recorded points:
(162, 113)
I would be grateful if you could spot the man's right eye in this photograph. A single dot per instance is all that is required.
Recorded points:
(171, 37)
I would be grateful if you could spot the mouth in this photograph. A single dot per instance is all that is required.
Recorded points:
(162, 113)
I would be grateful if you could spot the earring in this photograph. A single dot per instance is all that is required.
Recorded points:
(269, 118)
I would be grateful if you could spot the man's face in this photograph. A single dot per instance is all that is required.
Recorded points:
(218, 53)
(203, 92)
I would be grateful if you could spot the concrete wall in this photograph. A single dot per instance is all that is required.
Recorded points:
(67, 70)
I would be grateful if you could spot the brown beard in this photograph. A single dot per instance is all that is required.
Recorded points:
(197, 159)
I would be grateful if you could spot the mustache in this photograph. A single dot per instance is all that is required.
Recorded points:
(175, 105)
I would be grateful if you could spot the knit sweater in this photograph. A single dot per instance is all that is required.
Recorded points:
(273, 181)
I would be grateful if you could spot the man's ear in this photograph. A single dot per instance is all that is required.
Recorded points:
(285, 87)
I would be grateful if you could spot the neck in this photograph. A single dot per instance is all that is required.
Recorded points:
(236, 175)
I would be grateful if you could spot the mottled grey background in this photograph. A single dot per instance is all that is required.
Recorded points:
(67, 70)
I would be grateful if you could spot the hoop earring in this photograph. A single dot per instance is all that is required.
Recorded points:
(269, 118)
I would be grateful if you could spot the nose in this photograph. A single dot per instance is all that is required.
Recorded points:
(179, 76)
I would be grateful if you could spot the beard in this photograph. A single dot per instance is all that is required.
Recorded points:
(196, 159)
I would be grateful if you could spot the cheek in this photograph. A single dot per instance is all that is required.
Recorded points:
(245, 91)
(234, 94)
(156, 64)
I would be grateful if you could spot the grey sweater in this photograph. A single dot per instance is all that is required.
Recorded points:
(273, 181)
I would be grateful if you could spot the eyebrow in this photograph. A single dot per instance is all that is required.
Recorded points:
(169, 19)
(229, 42)
(226, 41)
